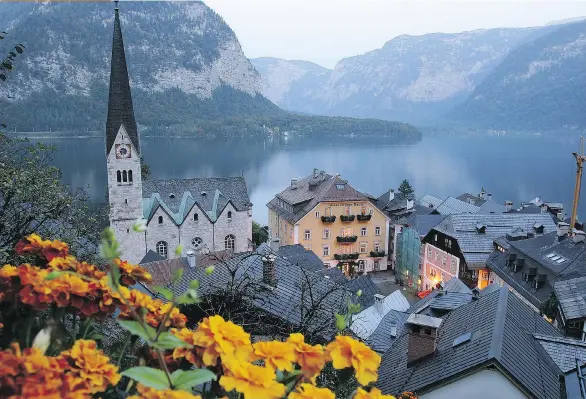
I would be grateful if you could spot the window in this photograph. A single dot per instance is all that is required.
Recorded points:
(347, 210)
(317, 214)
(437, 256)
(229, 241)
(432, 272)
(162, 248)
(361, 265)
(160, 220)
(429, 253)
(329, 211)
(346, 232)
(377, 231)
(308, 234)
(370, 211)
(377, 247)
(326, 234)
(119, 176)
(444, 260)
(448, 242)
(363, 246)
(376, 265)
(126, 200)
(326, 250)
(130, 176)
(340, 186)
(346, 249)
(363, 232)
(435, 237)
(196, 243)
(453, 266)
(363, 210)
(229, 214)
(195, 217)
(124, 176)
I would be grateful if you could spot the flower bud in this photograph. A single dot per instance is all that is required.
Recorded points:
(209, 270)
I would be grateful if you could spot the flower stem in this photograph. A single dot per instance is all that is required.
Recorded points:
(164, 367)
(87, 327)
(126, 342)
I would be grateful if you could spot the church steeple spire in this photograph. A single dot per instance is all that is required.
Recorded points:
(120, 110)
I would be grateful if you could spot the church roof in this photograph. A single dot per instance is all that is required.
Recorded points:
(120, 110)
(178, 196)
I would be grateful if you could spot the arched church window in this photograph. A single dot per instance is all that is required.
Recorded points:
(195, 217)
(119, 176)
(229, 214)
(160, 220)
(124, 176)
(130, 176)
(229, 241)
(162, 248)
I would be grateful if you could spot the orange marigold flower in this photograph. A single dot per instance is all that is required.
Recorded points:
(311, 358)
(276, 355)
(253, 381)
(131, 273)
(151, 393)
(46, 249)
(8, 271)
(347, 352)
(373, 394)
(309, 391)
(218, 338)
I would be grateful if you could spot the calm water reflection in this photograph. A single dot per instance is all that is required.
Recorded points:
(515, 168)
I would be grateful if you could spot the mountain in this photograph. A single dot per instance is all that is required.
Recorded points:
(187, 69)
(540, 85)
(293, 85)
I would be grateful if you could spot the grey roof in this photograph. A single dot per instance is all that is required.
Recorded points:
(429, 201)
(334, 274)
(471, 199)
(424, 320)
(502, 329)
(492, 207)
(530, 209)
(436, 303)
(563, 351)
(476, 246)
(399, 202)
(210, 194)
(151, 256)
(310, 191)
(298, 255)
(368, 288)
(489, 289)
(381, 339)
(452, 206)
(120, 110)
(424, 223)
(571, 295)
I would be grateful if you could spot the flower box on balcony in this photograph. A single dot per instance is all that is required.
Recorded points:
(346, 256)
(377, 254)
(347, 240)
(347, 218)
(328, 219)
(364, 218)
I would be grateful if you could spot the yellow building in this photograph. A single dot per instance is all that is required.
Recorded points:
(329, 217)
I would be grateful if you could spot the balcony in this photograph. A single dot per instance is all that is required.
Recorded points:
(347, 218)
(344, 257)
(328, 219)
(363, 218)
(347, 239)
(377, 254)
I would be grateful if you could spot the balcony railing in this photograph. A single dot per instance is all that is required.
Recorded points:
(363, 218)
(347, 239)
(328, 219)
(377, 254)
(347, 218)
(346, 256)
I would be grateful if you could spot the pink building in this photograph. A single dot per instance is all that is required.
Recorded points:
(438, 266)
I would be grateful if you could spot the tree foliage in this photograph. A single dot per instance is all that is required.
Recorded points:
(405, 188)
(259, 233)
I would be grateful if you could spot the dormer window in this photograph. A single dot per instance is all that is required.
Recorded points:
(172, 195)
(340, 186)
(480, 228)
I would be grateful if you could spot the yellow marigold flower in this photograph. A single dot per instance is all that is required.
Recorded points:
(373, 394)
(310, 358)
(219, 338)
(151, 393)
(276, 355)
(309, 391)
(35, 245)
(347, 352)
(8, 271)
(63, 263)
(255, 382)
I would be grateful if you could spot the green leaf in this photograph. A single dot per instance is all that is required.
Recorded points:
(164, 292)
(189, 298)
(340, 322)
(147, 333)
(189, 379)
(148, 376)
(168, 341)
(177, 275)
(194, 284)
(53, 275)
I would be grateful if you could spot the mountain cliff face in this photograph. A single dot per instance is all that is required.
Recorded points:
(293, 85)
(539, 85)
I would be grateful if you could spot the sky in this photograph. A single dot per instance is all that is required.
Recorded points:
(325, 31)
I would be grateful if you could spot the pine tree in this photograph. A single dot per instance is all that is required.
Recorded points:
(405, 188)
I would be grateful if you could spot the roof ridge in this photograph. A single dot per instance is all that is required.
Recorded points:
(496, 344)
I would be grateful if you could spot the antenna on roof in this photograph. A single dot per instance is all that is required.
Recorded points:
(116, 4)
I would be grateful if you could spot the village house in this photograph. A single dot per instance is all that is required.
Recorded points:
(329, 217)
(208, 214)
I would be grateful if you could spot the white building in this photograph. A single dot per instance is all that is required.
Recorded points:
(200, 214)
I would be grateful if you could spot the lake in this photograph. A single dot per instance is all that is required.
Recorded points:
(516, 168)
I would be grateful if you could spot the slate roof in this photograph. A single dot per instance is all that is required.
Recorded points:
(429, 201)
(471, 199)
(436, 303)
(334, 274)
(298, 255)
(381, 339)
(310, 191)
(210, 194)
(571, 295)
(399, 201)
(530, 209)
(120, 110)
(452, 206)
(492, 207)
(368, 288)
(475, 246)
(367, 321)
(563, 351)
(502, 329)
(424, 223)
(151, 256)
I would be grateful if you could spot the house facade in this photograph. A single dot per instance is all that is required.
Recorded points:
(329, 217)
(201, 214)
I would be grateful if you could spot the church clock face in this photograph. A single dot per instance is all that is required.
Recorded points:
(122, 151)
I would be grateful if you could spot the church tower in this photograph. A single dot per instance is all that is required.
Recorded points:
(123, 155)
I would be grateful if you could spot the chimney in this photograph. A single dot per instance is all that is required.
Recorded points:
(391, 195)
(579, 236)
(293, 183)
(410, 204)
(393, 329)
(423, 332)
(563, 229)
(482, 192)
(489, 196)
(508, 206)
(378, 302)
(191, 259)
(315, 172)
(269, 271)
